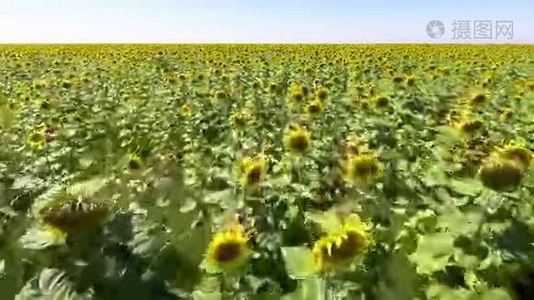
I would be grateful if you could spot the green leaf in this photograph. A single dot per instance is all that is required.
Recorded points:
(467, 187)
(2, 268)
(442, 292)
(26, 182)
(494, 294)
(51, 284)
(458, 223)
(299, 262)
(308, 289)
(188, 206)
(328, 221)
(199, 295)
(87, 188)
(433, 252)
(398, 282)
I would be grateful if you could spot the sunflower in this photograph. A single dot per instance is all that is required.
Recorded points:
(134, 161)
(381, 101)
(186, 110)
(251, 171)
(240, 119)
(314, 107)
(340, 248)
(362, 169)
(477, 98)
(74, 216)
(36, 140)
(66, 84)
(297, 138)
(297, 93)
(469, 125)
(321, 93)
(500, 173)
(45, 104)
(228, 250)
(40, 84)
(506, 115)
(221, 95)
(411, 81)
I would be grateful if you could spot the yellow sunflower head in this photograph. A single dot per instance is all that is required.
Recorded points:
(40, 84)
(477, 98)
(506, 115)
(228, 250)
(469, 125)
(36, 140)
(297, 93)
(252, 171)
(134, 161)
(186, 110)
(362, 169)
(314, 107)
(240, 119)
(66, 84)
(411, 81)
(297, 138)
(381, 101)
(321, 93)
(340, 248)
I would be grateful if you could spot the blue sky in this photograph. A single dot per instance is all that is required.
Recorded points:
(330, 21)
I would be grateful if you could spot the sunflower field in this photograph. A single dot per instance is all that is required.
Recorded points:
(294, 172)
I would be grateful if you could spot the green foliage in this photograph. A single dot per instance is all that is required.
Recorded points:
(120, 163)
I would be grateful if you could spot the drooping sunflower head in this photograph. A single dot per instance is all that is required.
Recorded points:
(36, 140)
(228, 250)
(75, 216)
(251, 171)
(341, 248)
(297, 138)
(499, 173)
(469, 125)
(362, 169)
